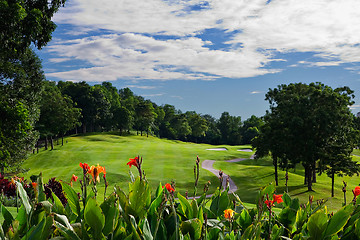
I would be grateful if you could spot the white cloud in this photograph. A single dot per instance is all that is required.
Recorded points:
(141, 87)
(325, 28)
(256, 92)
(153, 95)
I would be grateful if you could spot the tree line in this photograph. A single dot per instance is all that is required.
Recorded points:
(68, 107)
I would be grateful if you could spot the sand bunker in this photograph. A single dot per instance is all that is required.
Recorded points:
(217, 149)
(245, 150)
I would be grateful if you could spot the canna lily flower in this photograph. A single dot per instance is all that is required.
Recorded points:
(34, 185)
(277, 198)
(229, 213)
(269, 203)
(133, 162)
(169, 187)
(94, 171)
(356, 191)
(85, 167)
(73, 179)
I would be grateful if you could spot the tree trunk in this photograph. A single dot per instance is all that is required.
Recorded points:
(62, 139)
(306, 175)
(52, 143)
(286, 180)
(46, 143)
(332, 183)
(147, 133)
(314, 174)
(276, 171)
(84, 128)
(76, 131)
(309, 183)
(141, 132)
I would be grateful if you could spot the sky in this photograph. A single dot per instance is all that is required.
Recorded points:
(207, 56)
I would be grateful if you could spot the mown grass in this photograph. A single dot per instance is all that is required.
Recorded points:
(163, 160)
(167, 160)
(249, 175)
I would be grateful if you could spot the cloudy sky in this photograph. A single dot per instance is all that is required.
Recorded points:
(208, 56)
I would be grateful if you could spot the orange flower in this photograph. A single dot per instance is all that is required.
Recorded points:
(356, 191)
(133, 162)
(73, 179)
(94, 171)
(228, 213)
(34, 185)
(169, 187)
(84, 166)
(277, 198)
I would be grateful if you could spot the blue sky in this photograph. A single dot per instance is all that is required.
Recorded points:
(208, 56)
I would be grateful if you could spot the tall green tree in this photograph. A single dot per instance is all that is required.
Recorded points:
(307, 116)
(22, 23)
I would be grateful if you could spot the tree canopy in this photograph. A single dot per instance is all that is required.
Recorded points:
(305, 124)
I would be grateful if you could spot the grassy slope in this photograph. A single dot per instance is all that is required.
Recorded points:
(166, 160)
(163, 160)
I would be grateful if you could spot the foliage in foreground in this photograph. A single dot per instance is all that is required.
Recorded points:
(165, 214)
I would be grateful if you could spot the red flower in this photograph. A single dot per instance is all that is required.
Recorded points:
(269, 203)
(73, 179)
(169, 187)
(356, 191)
(34, 185)
(84, 166)
(133, 162)
(277, 198)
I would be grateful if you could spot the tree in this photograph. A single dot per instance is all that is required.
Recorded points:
(197, 124)
(230, 129)
(23, 23)
(304, 117)
(250, 129)
(57, 113)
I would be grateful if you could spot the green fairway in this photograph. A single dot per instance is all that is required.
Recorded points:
(166, 160)
(163, 160)
(249, 175)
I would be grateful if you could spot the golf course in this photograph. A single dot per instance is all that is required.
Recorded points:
(168, 160)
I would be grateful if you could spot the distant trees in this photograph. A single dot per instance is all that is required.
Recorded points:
(312, 125)
(105, 108)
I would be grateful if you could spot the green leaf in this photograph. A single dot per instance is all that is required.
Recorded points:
(43, 229)
(287, 200)
(338, 221)
(41, 194)
(63, 220)
(156, 203)
(66, 232)
(139, 198)
(220, 203)
(146, 230)
(94, 217)
(244, 219)
(72, 197)
(193, 227)
(111, 212)
(185, 205)
(8, 218)
(58, 207)
(24, 197)
(317, 224)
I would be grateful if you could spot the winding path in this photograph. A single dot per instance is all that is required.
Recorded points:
(208, 165)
